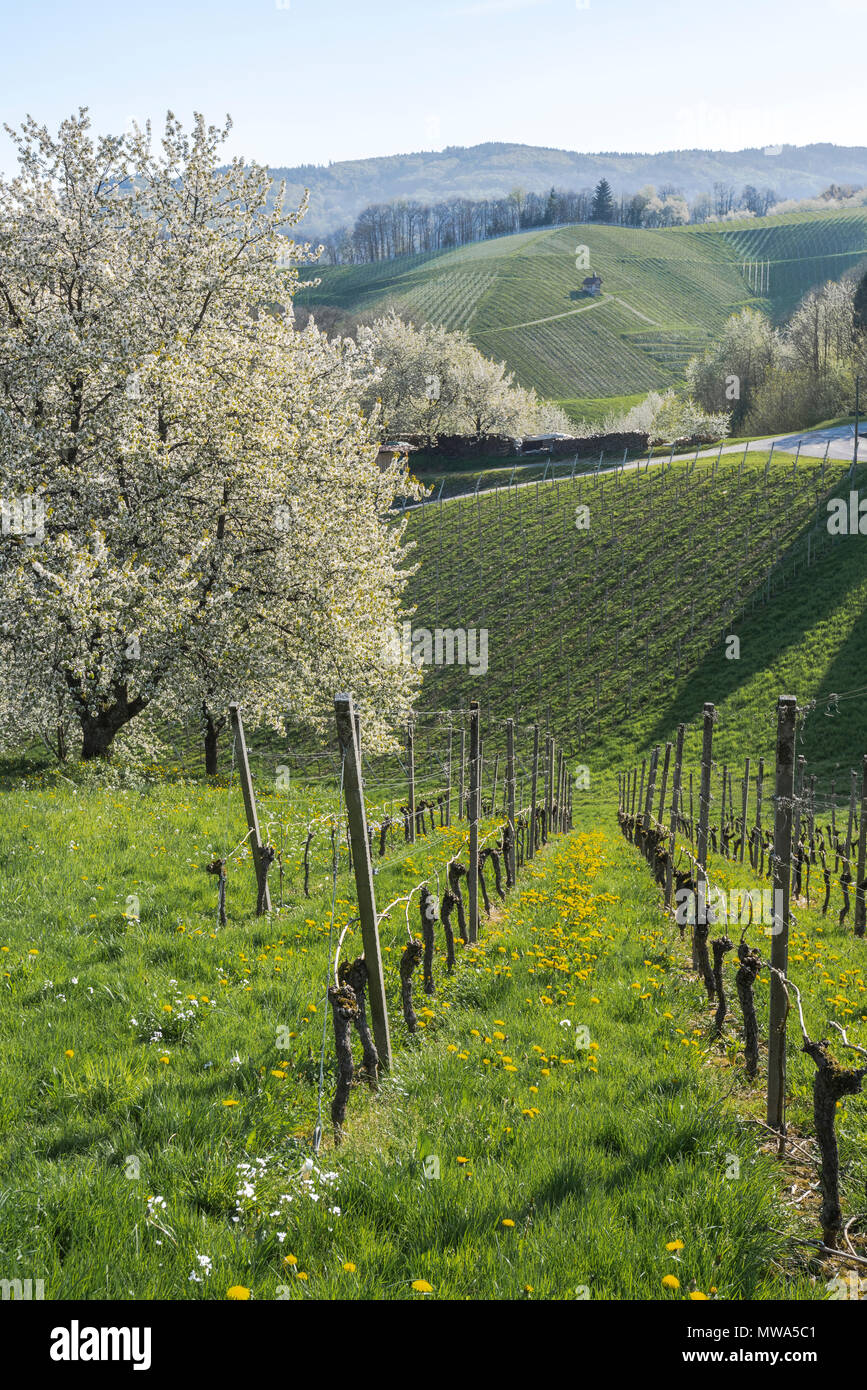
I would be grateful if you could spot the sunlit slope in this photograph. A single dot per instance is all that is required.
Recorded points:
(619, 631)
(664, 295)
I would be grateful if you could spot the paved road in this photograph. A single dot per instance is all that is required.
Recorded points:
(839, 441)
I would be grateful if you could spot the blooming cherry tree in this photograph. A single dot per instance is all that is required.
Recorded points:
(193, 510)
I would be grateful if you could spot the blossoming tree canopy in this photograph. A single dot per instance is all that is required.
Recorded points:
(192, 504)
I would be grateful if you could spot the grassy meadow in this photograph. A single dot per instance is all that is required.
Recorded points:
(563, 1125)
(156, 1120)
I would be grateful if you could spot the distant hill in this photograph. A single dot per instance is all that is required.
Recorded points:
(665, 294)
(339, 191)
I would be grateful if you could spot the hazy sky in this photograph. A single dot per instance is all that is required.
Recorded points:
(308, 81)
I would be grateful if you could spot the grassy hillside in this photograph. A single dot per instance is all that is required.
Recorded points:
(619, 629)
(159, 1074)
(158, 1083)
(665, 294)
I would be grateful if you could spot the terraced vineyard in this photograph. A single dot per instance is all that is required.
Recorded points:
(665, 294)
(618, 629)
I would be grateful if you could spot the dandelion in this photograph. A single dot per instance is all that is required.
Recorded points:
(422, 1286)
(349, 1267)
(230, 1102)
(670, 1281)
(507, 1222)
(698, 1296)
(69, 1052)
(290, 1259)
(674, 1245)
(237, 1291)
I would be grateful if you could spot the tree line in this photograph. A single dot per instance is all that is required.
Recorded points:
(409, 227)
(791, 376)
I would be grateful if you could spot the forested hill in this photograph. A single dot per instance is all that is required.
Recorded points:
(339, 191)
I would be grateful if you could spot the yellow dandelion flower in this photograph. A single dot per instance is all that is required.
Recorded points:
(238, 1291)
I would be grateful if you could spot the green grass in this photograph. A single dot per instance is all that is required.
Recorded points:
(558, 604)
(620, 1148)
(666, 294)
(108, 937)
(594, 409)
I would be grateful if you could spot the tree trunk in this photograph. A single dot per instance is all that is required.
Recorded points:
(98, 728)
(213, 728)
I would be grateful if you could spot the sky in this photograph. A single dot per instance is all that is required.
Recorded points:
(314, 81)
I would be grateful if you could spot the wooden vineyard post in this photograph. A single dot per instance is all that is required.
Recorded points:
(449, 779)
(634, 785)
(510, 791)
(704, 812)
(534, 784)
(641, 787)
(560, 791)
(410, 768)
(675, 797)
(799, 802)
(564, 788)
(263, 896)
(853, 792)
(744, 806)
(549, 776)
(860, 905)
(353, 788)
(760, 786)
(494, 784)
(463, 786)
(661, 816)
(651, 786)
(722, 814)
(473, 869)
(783, 805)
